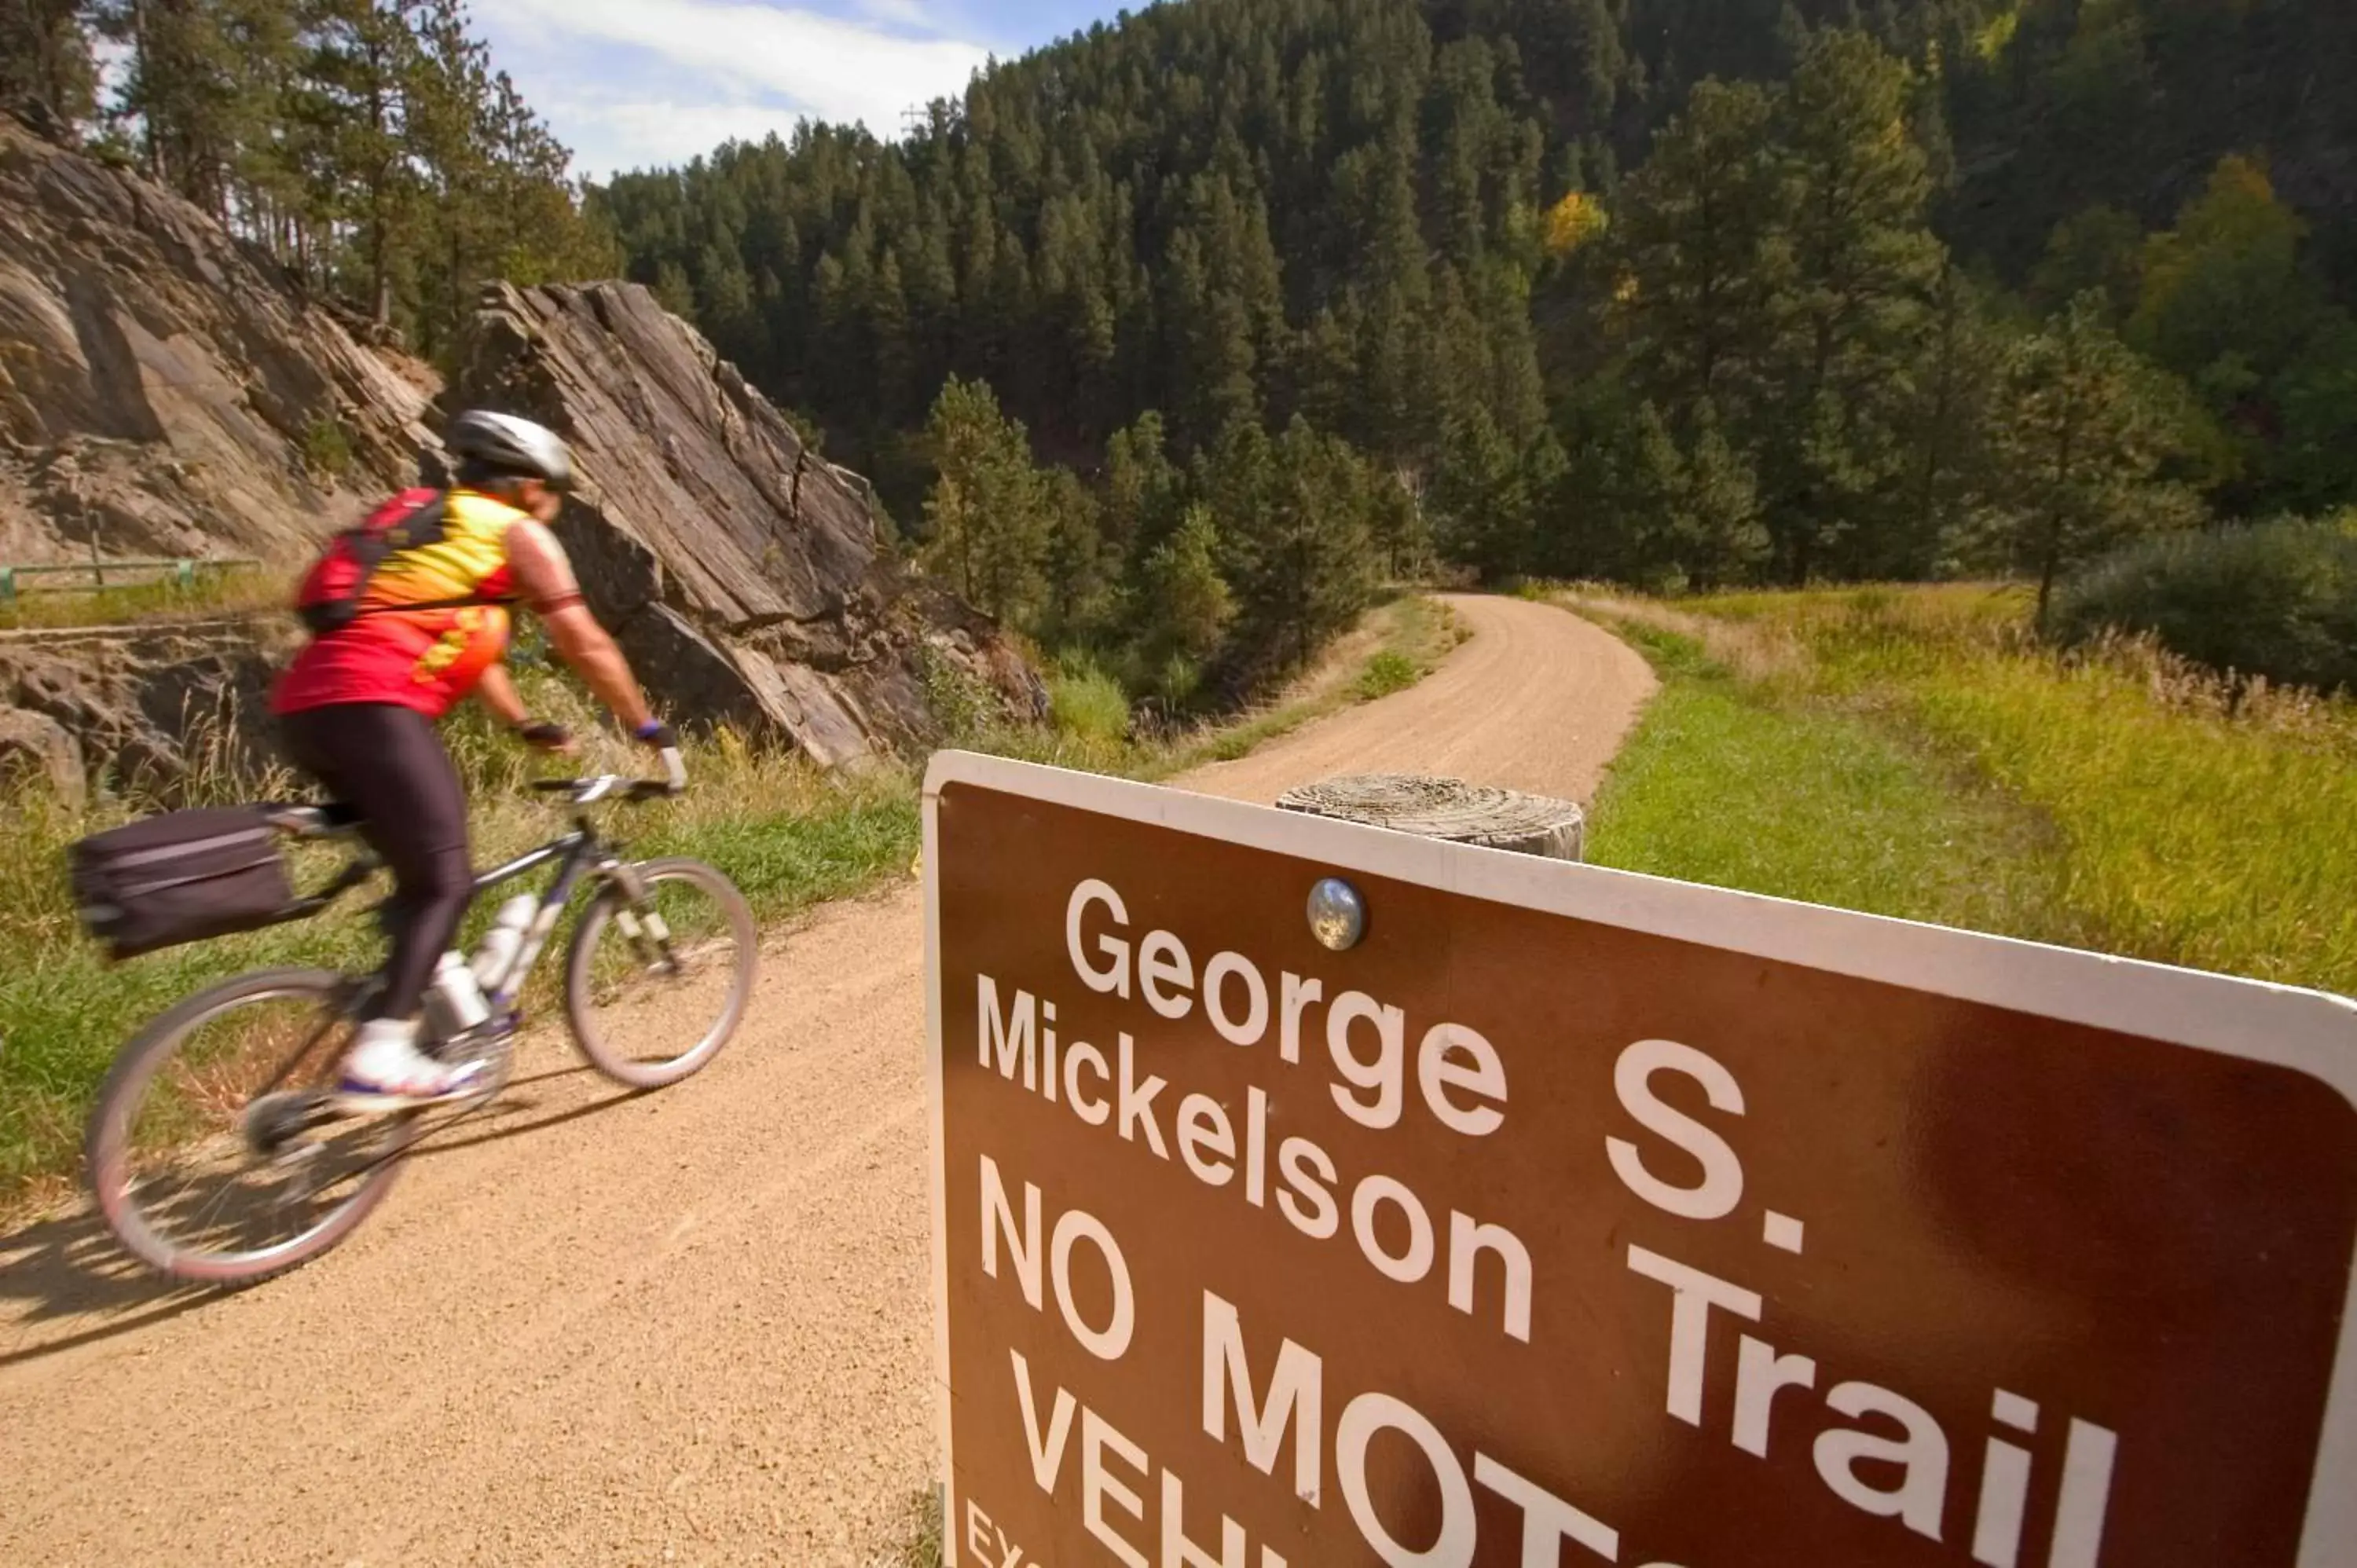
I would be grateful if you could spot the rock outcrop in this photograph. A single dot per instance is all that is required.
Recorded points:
(162, 390)
(743, 575)
(166, 390)
(137, 704)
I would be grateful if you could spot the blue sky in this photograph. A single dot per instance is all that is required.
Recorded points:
(636, 83)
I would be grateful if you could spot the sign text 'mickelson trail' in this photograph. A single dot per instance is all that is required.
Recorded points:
(1459, 1079)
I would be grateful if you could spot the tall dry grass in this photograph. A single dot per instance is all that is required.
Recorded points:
(2193, 818)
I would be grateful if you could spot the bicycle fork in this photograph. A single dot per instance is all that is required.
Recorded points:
(644, 927)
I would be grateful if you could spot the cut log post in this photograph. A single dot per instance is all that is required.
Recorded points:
(1448, 809)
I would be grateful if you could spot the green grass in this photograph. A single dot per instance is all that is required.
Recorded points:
(787, 833)
(2114, 798)
(240, 592)
(1805, 802)
(920, 1542)
(1388, 671)
(1085, 702)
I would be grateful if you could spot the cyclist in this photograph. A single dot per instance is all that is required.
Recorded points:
(357, 706)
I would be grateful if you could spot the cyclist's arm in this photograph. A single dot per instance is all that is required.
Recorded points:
(496, 691)
(545, 578)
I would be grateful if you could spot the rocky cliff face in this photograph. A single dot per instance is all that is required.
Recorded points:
(164, 390)
(743, 576)
(142, 704)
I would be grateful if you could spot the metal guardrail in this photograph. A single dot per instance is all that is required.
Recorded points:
(181, 574)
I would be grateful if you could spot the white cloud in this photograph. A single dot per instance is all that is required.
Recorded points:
(751, 57)
(610, 136)
(910, 13)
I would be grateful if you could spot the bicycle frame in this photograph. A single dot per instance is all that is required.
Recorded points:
(575, 854)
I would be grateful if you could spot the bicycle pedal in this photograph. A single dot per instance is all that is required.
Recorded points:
(275, 1121)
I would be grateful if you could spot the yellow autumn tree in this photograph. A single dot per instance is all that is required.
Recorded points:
(1572, 222)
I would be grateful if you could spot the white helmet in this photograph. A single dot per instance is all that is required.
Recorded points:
(506, 445)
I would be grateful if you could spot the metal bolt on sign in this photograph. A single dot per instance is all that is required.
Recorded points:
(1338, 916)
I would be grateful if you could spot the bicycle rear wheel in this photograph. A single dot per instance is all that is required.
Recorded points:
(655, 985)
(211, 1151)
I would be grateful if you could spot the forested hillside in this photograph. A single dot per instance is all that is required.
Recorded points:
(1168, 341)
(1684, 290)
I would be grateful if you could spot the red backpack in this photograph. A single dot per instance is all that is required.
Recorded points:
(329, 598)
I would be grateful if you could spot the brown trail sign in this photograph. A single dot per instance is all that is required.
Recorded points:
(1571, 1217)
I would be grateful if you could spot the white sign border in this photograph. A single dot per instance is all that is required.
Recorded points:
(2282, 1025)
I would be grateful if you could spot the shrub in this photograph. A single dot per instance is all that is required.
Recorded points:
(960, 702)
(1086, 703)
(1177, 681)
(1388, 671)
(2278, 599)
(327, 446)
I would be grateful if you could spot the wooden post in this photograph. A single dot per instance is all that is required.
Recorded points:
(1448, 809)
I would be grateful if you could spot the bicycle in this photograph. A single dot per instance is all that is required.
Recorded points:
(283, 1155)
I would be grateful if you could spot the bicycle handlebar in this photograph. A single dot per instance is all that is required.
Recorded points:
(588, 792)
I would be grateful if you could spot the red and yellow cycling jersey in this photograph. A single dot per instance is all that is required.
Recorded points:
(426, 659)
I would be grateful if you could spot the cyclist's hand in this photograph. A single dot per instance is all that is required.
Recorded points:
(552, 738)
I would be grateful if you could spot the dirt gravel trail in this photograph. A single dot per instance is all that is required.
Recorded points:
(1538, 700)
(688, 1327)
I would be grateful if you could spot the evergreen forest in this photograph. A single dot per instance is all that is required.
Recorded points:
(1170, 341)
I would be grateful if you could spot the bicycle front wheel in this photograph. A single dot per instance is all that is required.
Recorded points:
(655, 984)
(212, 1151)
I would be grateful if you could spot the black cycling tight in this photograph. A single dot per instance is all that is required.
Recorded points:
(387, 763)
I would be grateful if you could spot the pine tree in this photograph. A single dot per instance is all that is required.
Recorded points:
(894, 331)
(1696, 217)
(1298, 556)
(1183, 605)
(446, 138)
(724, 303)
(1397, 524)
(183, 90)
(2085, 429)
(988, 518)
(673, 290)
(2100, 248)
(1487, 496)
(44, 60)
(358, 75)
(1081, 567)
(1850, 302)
(1695, 505)
(1948, 436)
(1143, 488)
(1324, 372)
(538, 233)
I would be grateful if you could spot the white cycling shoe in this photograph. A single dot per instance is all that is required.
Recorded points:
(385, 1070)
